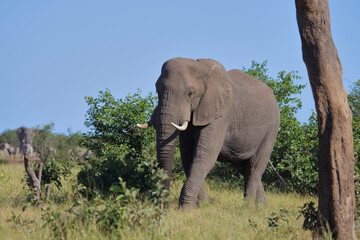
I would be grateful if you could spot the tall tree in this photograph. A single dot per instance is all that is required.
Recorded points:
(336, 152)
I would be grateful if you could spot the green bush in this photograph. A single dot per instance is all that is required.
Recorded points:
(105, 214)
(10, 137)
(310, 214)
(227, 174)
(354, 103)
(120, 148)
(67, 147)
(122, 175)
(4, 161)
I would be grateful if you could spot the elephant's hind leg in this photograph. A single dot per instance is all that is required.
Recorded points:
(254, 189)
(260, 194)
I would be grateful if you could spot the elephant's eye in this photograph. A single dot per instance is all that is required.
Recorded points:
(191, 93)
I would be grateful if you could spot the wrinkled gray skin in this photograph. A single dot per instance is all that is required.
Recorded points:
(232, 116)
(26, 137)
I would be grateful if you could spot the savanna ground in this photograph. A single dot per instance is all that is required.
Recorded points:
(226, 216)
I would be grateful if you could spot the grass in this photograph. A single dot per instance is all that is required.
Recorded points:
(226, 216)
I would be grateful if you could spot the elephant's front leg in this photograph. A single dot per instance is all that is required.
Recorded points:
(187, 146)
(207, 148)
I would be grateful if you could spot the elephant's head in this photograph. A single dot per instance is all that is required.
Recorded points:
(25, 135)
(190, 92)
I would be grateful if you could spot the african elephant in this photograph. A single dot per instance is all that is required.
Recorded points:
(26, 136)
(8, 149)
(225, 116)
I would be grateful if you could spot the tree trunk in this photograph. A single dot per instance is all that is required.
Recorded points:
(47, 193)
(336, 152)
(34, 180)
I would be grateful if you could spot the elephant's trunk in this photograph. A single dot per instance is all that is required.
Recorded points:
(165, 155)
(166, 140)
(169, 112)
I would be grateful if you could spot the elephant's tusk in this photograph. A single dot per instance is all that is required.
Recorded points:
(182, 127)
(144, 125)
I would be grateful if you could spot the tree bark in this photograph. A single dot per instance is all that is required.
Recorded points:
(336, 153)
(34, 180)
(47, 193)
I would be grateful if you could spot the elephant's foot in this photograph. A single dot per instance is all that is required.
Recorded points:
(186, 202)
(202, 196)
(257, 200)
(260, 195)
(190, 197)
(255, 194)
(249, 199)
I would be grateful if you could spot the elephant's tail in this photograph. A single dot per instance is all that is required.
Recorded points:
(281, 178)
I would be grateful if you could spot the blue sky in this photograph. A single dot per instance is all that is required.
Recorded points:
(53, 53)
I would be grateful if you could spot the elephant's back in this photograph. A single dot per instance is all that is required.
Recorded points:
(251, 87)
(254, 100)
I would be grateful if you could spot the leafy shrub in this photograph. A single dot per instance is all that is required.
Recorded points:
(52, 172)
(67, 147)
(124, 208)
(120, 148)
(4, 161)
(226, 173)
(10, 137)
(274, 218)
(310, 214)
(354, 103)
(295, 155)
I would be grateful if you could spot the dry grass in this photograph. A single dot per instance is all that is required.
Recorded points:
(226, 216)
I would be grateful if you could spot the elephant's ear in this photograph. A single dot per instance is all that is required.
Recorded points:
(218, 96)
